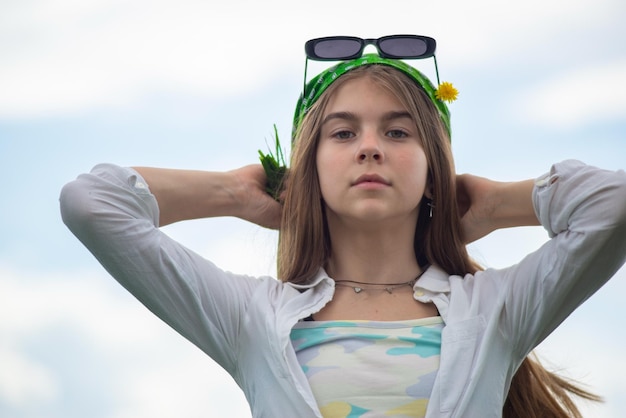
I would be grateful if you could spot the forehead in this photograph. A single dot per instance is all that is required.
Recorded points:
(365, 92)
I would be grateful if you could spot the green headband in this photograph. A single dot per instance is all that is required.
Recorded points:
(320, 83)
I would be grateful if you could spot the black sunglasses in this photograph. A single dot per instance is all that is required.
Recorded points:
(339, 48)
(335, 48)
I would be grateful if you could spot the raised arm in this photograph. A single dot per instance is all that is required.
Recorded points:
(486, 205)
(192, 194)
(583, 209)
(116, 213)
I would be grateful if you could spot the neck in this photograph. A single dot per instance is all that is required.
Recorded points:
(381, 255)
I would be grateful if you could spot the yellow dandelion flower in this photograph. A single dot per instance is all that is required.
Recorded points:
(446, 92)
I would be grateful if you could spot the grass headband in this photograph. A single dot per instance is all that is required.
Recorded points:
(314, 88)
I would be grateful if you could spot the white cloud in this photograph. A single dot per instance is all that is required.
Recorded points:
(111, 54)
(150, 371)
(190, 387)
(30, 305)
(24, 381)
(576, 97)
(64, 55)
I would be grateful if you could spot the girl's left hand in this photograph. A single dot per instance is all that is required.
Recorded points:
(476, 205)
(486, 205)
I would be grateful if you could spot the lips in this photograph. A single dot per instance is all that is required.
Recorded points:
(371, 178)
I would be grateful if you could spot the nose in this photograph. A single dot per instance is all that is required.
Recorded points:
(370, 148)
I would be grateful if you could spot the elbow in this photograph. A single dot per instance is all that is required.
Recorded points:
(83, 209)
(104, 203)
(75, 207)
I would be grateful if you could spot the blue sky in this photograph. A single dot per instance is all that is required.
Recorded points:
(189, 84)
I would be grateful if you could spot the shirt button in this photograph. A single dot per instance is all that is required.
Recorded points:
(419, 293)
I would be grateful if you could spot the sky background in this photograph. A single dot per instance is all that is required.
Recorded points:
(199, 84)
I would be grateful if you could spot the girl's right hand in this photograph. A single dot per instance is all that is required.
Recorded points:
(256, 205)
(194, 194)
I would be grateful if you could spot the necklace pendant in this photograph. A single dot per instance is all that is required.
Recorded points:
(357, 289)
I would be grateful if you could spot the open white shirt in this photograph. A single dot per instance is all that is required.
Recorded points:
(493, 319)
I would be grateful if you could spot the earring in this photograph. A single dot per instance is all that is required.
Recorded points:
(430, 206)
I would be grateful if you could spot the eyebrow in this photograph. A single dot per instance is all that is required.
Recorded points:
(403, 114)
(339, 115)
(352, 117)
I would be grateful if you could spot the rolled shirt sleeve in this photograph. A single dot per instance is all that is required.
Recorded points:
(112, 212)
(583, 209)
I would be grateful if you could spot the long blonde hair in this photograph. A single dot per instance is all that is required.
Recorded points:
(304, 243)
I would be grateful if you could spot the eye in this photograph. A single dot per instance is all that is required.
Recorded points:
(397, 134)
(343, 135)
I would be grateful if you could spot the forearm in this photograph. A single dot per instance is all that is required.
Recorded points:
(513, 205)
(486, 205)
(191, 194)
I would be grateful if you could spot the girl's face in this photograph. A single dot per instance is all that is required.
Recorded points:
(370, 160)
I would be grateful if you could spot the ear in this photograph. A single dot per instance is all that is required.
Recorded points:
(428, 190)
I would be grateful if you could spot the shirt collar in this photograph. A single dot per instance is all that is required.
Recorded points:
(320, 278)
(434, 287)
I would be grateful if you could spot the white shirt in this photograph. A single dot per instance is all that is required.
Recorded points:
(493, 319)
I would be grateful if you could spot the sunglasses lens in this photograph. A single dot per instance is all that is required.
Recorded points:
(403, 47)
(336, 48)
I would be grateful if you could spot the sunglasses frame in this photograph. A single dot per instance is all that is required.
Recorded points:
(309, 47)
